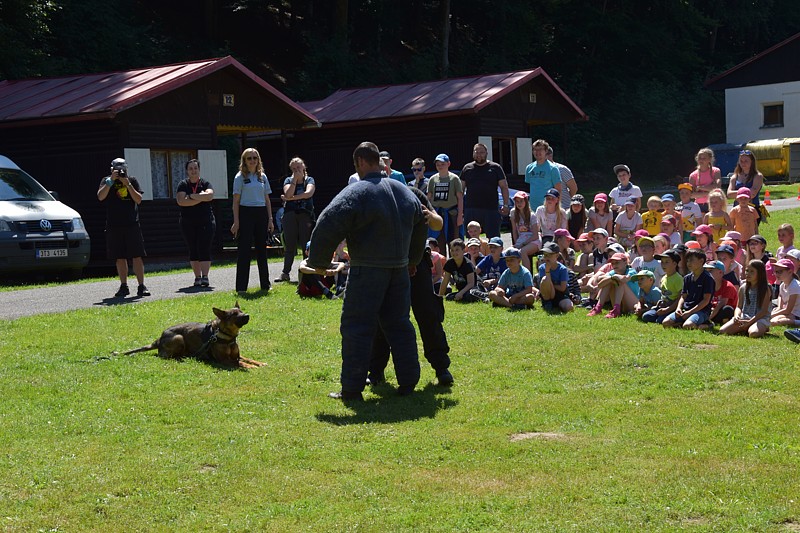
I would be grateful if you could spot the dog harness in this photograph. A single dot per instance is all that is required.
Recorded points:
(211, 335)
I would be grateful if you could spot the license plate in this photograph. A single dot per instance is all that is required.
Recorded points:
(56, 252)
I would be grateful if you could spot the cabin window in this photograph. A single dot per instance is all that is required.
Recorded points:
(773, 115)
(503, 153)
(168, 168)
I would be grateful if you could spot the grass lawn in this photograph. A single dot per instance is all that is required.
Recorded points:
(555, 422)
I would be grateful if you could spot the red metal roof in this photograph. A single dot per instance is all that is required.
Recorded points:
(451, 96)
(94, 96)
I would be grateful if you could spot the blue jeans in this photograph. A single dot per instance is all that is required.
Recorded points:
(377, 297)
(651, 316)
(701, 317)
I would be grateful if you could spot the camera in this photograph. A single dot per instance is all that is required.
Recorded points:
(121, 172)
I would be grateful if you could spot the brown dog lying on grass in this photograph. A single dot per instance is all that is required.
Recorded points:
(214, 342)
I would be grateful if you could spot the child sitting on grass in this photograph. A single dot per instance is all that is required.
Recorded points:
(670, 288)
(649, 293)
(725, 298)
(616, 287)
(744, 217)
(787, 313)
(647, 259)
(492, 266)
(460, 272)
(669, 226)
(515, 287)
(651, 219)
(786, 238)
(474, 231)
(584, 264)
(726, 254)
(752, 314)
(717, 217)
(627, 223)
(473, 251)
(702, 234)
(600, 217)
(553, 280)
(694, 304)
(311, 285)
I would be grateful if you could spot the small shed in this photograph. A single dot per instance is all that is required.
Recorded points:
(65, 132)
(423, 119)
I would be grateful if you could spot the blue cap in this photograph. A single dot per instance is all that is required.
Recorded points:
(630, 201)
(668, 198)
(512, 252)
(442, 157)
(714, 264)
(552, 192)
(496, 241)
(726, 248)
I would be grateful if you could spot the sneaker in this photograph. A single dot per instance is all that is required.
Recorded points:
(197, 281)
(792, 334)
(142, 291)
(204, 281)
(283, 277)
(346, 396)
(596, 310)
(615, 312)
(123, 291)
(445, 377)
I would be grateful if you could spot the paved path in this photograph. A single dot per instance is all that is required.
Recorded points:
(66, 297)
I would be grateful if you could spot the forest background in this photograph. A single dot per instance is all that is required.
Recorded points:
(636, 67)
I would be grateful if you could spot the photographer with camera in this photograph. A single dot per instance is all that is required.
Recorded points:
(122, 195)
(298, 212)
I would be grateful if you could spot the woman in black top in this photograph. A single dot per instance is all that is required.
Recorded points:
(197, 221)
(298, 213)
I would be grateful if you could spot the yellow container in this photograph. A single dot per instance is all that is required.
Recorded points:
(773, 156)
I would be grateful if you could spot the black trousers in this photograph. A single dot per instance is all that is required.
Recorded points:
(297, 226)
(429, 314)
(253, 223)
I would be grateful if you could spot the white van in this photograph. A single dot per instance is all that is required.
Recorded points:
(37, 232)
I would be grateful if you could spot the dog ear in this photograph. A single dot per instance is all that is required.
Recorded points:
(219, 312)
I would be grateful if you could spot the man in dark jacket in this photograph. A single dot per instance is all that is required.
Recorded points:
(385, 231)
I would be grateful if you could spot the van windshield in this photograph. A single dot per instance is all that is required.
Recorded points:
(17, 185)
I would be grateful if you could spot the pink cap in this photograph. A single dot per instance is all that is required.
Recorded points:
(785, 263)
(562, 232)
(733, 236)
(743, 192)
(669, 219)
(619, 257)
(601, 197)
(641, 233)
(521, 194)
(703, 228)
(583, 237)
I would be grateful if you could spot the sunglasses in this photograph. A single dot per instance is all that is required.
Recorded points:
(416, 170)
(745, 152)
(252, 158)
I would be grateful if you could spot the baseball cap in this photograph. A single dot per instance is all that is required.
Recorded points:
(794, 253)
(520, 194)
(725, 249)
(680, 248)
(785, 263)
(617, 168)
(119, 163)
(743, 192)
(692, 245)
(512, 252)
(669, 219)
(552, 192)
(616, 248)
(561, 232)
(385, 154)
(703, 228)
(433, 240)
(733, 236)
(645, 240)
(601, 197)
(630, 201)
(442, 157)
(641, 233)
(577, 199)
(643, 274)
(474, 242)
(687, 186)
(583, 237)
(618, 256)
(550, 248)
(496, 241)
(758, 238)
(598, 231)
(715, 264)
(671, 254)
(668, 198)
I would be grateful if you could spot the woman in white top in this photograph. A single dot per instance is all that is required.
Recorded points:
(252, 218)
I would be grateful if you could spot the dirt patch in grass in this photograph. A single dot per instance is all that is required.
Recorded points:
(791, 525)
(208, 468)
(516, 437)
(705, 346)
(695, 521)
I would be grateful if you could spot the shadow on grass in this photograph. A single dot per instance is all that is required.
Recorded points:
(388, 407)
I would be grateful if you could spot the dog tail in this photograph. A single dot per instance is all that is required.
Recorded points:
(142, 349)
